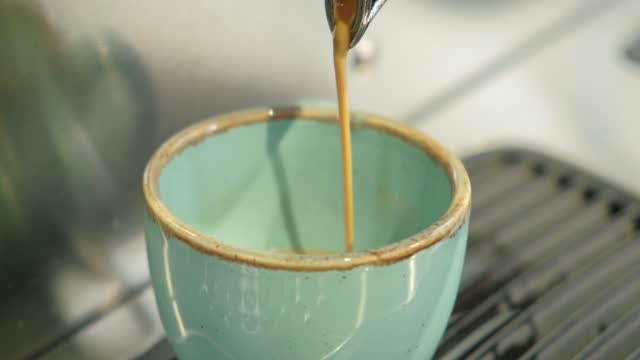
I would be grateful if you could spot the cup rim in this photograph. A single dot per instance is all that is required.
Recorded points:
(445, 227)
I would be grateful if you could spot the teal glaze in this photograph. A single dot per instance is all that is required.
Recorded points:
(284, 179)
(277, 186)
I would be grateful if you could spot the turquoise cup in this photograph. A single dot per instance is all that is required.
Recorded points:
(245, 238)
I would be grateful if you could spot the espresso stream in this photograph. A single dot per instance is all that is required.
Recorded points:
(344, 13)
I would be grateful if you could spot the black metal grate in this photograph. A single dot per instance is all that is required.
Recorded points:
(552, 269)
(553, 266)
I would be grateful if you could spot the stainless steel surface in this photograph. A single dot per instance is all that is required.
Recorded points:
(577, 97)
(88, 89)
(367, 11)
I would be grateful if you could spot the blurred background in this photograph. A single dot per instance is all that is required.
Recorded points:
(89, 88)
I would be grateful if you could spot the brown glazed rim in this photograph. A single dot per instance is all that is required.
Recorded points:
(445, 227)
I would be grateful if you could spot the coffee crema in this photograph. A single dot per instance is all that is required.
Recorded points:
(344, 14)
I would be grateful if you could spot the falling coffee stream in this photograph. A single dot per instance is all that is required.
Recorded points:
(344, 13)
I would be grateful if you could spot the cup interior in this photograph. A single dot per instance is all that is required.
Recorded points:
(277, 186)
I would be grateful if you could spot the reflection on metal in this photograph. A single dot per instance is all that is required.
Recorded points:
(364, 57)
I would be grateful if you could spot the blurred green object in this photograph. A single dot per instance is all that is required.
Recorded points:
(29, 52)
(73, 116)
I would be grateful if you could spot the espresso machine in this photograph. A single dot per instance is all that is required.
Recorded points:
(539, 98)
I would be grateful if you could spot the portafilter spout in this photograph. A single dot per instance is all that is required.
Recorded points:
(367, 10)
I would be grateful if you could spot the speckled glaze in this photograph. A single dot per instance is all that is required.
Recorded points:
(228, 198)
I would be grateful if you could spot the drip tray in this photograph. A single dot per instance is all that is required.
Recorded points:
(552, 269)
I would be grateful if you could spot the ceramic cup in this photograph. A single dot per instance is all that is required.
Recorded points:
(233, 200)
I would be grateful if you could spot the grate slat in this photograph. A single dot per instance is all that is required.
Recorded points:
(544, 276)
(617, 342)
(634, 355)
(540, 318)
(500, 212)
(500, 183)
(589, 322)
(542, 315)
(514, 256)
(579, 256)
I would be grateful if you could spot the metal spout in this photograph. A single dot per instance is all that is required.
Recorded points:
(367, 10)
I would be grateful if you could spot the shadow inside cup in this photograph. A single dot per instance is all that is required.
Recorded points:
(276, 185)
